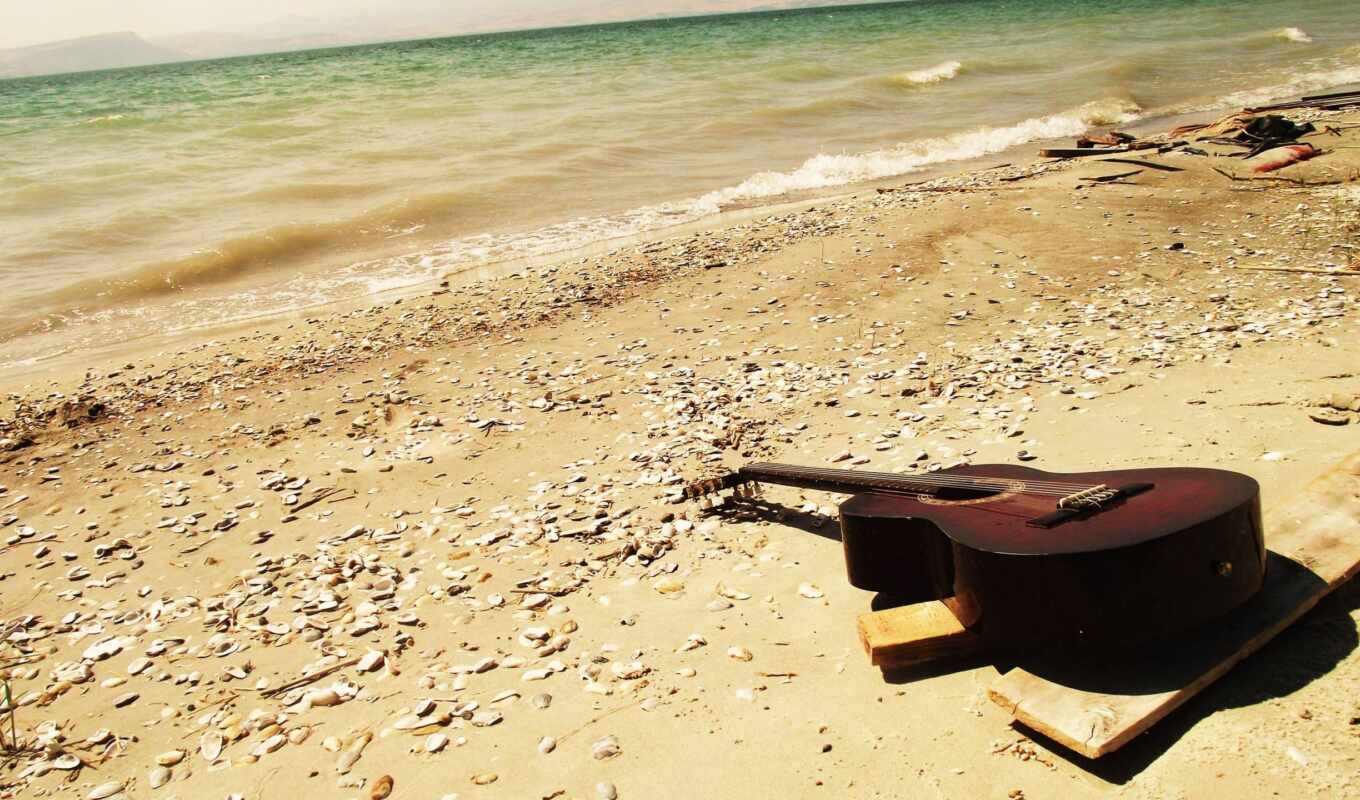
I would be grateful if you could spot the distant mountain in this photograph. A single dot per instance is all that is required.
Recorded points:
(416, 19)
(105, 51)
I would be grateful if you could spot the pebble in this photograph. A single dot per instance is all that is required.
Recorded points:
(606, 791)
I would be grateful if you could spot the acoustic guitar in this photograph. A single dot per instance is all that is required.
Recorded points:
(1023, 556)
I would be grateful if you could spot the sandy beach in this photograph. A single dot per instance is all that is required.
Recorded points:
(458, 507)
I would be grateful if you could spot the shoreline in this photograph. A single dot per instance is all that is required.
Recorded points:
(467, 491)
(1146, 123)
(1021, 156)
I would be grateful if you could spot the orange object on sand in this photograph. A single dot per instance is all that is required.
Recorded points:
(1272, 160)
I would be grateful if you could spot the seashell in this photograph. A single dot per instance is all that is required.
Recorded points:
(66, 761)
(485, 719)
(170, 758)
(541, 700)
(322, 698)
(436, 742)
(346, 761)
(299, 735)
(270, 745)
(139, 666)
(484, 778)
(547, 744)
(608, 747)
(99, 737)
(125, 699)
(371, 660)
(102, 650)
(331, 743)
(158, 777)
(104, 790)
(809, 591)
(605, 790)
(210, 745)
(629, 671)
(739, 653)
(382, 787)
(669, 585)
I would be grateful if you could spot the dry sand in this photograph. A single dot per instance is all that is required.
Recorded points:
(502, 455)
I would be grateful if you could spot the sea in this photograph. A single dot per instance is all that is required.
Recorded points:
(142, 202)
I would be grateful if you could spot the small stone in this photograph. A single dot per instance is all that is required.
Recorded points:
(484, 778)
(547, 744)
(739, 653)
(606, 791)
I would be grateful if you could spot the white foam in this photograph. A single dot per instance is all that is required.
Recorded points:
(940, 72)
(827, 170)
(1295, 35)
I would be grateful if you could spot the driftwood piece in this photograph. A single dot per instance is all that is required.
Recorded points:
(1096, 707)
(1345, 273)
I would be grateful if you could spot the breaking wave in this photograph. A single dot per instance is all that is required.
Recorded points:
(944, 71)
(825, 170)
(1292, 34)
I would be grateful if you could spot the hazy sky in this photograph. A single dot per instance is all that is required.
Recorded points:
(28, 22)
(24, 22)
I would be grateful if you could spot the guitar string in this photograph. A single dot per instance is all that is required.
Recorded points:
(962, 482)
(1021, 488)
(926, 478)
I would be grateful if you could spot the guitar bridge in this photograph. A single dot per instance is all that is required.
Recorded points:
(1085, 502)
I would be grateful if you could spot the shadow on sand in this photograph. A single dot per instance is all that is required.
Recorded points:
(1302, 653)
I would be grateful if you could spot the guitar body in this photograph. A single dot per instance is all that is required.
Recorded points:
(1185, 550)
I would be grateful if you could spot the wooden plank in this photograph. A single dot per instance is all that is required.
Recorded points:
(1095, 708)
(1081, 152)
(915, 634)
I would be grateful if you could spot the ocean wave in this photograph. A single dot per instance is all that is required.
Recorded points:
(279, 248)
(1292, 34)
(821, 107)
(944, 71)
(825, 170)
(1296, 85)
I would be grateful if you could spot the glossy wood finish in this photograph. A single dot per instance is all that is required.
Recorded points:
(1189, 550)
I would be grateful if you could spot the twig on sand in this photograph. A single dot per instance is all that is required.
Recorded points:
(1279, 178)
(596, 719)
(308, 679)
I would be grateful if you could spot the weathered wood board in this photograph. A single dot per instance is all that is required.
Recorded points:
(915, 634)
(1096, 708)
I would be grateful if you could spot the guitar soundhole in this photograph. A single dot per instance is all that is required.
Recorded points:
(967, 496)
(955, 494)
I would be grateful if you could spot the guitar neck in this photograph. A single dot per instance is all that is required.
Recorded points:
(843, 481)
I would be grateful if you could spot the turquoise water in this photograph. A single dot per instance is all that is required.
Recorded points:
(192, 194)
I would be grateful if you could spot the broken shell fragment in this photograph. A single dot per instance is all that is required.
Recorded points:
(210, 745)
(382, 787)
(104, 790)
